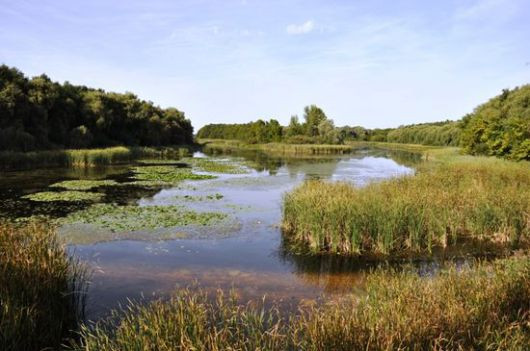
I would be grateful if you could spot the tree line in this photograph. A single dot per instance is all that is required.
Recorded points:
(37, 113)
(500, 127)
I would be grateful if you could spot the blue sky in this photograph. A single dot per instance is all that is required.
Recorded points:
(371, 63)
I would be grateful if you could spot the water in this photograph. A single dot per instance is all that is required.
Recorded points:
(245, 253)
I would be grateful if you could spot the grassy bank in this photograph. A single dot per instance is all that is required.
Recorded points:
(399, 311)
(84, 157)
(481, 201)
(41, 289)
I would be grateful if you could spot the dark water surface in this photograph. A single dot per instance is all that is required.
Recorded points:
(246, 255)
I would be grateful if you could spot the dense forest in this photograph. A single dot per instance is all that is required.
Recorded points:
(438, 133)
(37, 114)
(500, 127)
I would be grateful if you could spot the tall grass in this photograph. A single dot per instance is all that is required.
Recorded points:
(85, 157)
(473, 200)
(486, 307)
(42, 289)
(279, 148)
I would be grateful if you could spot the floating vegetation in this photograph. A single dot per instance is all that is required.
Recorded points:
(83, 184)
(199, 198)
(130, 218)
(218, 166)
(47, 196)
(158, 161)
(167, 174)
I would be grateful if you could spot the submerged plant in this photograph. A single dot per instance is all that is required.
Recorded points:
(217, 166)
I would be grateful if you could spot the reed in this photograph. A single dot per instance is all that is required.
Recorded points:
(85, 157)
(479, 201)
(485, 307)
(42, 289)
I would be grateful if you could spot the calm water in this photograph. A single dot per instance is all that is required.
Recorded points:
(246, 253)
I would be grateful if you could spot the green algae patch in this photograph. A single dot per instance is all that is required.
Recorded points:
(218, 166)
(167, 174)
(133, 218)
(83, 184)
(71, 196)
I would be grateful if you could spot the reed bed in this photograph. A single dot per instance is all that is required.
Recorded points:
(280, 148)
(483, 308)
(42, 289)
(85, 157)
(476, 200)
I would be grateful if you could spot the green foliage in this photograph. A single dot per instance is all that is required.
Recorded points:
(399, 311)
(483, 200)
(40, 114)
(253, 132)
(500, 127)
(42, 289)
(438, 134)
(313, 116)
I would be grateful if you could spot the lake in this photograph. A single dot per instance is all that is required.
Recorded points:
(242, 250)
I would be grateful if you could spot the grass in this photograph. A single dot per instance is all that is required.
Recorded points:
(132, 218)
(228, 146)
(483, 308)
(42, 289)
(83, 184)
(452, 200)
(86, 157)
(70, 196)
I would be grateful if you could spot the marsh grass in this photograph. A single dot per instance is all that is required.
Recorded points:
(42, 289)
(85, 157)
(478, 200)
(485, 307)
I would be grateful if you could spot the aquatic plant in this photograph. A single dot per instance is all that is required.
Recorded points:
(167, 174)
(42, 289)
(217, 166)
(47, 196)
(476, 200)
(130, 218)
(83, 184)
(198, 198)
(398, 311)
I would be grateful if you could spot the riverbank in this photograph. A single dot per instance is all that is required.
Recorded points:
(11, 161)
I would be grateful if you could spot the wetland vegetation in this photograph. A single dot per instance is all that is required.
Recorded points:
(422, 239)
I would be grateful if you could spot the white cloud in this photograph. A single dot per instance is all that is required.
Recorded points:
(303, 28)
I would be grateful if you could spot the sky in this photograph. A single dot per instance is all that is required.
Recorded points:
(370, 63)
